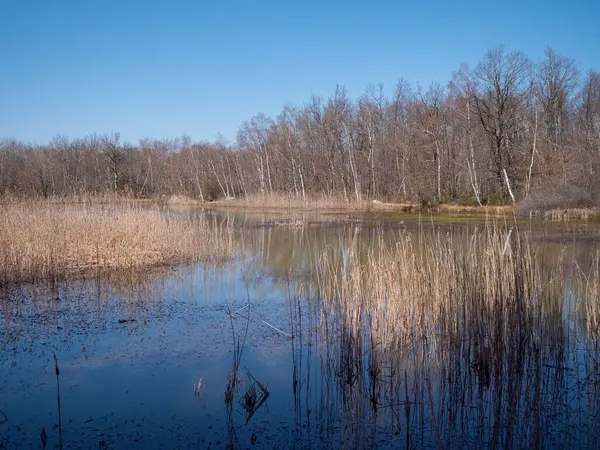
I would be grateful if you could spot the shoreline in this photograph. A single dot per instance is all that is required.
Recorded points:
(322, 204)
(376, 206)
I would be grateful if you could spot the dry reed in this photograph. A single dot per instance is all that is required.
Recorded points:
(429, 290)
(459, 341)
(588, 294)
(42, 240)
(290, 201)
(337, 202)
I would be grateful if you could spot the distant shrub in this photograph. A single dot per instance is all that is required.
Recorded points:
(584, 194)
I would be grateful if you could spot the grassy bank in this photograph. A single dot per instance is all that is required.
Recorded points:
(48, 240)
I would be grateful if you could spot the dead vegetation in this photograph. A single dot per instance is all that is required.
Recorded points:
(462, 340)
(339, 203)
(567, 215)
(47, 240)
(333, 203)
(289, 201)
(432, 289)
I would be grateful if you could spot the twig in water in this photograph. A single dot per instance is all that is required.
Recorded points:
(251, 401)
(126, 320)
(262, 387)
(276, 329)
(197, 387)
(247, 305)
(233, 315)
(60, 445)
(5, 418)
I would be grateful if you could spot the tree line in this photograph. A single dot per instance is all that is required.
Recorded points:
(508, 130)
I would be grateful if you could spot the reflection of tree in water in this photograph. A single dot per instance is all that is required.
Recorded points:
(284, 248)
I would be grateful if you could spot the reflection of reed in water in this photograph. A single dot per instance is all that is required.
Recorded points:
(430, 343)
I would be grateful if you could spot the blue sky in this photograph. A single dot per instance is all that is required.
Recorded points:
(164, 68)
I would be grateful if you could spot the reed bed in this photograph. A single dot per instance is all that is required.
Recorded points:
(432, 289)
(588, 294)
(339, 203)
(332, 203)
(315, 202)
(570, 214)
(458, 341)
(45, 241)
(289, 201)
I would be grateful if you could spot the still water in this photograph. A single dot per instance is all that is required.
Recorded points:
(146, 361)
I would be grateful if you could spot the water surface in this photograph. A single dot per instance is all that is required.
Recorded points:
(132, 351)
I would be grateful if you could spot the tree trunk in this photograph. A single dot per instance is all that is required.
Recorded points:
(217, 177)
(471, 164)
(533, 149)
(508, 186)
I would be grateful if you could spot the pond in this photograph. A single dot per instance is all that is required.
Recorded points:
(251, 353)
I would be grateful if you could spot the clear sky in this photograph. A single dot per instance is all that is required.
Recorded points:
(164, 68)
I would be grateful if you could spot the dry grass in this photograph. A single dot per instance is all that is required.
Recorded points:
(588, 294)
(180, 200)
(493, 210)
(566, 215)
(279, 201)
(313, 202)
(433, 290)
(487, 294)
(46, 240)
(466, 340)
(88, 199)
(289, 201)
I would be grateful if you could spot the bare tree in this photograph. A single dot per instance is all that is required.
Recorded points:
(115, 155)
(400, 135)
(431, 124)
(556, 82)
(503, 84)
(462, 88)
(371, 110)
(494, 130)
(589, 110)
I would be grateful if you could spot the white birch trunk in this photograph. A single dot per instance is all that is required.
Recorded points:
(533, 149)
(508, 186)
